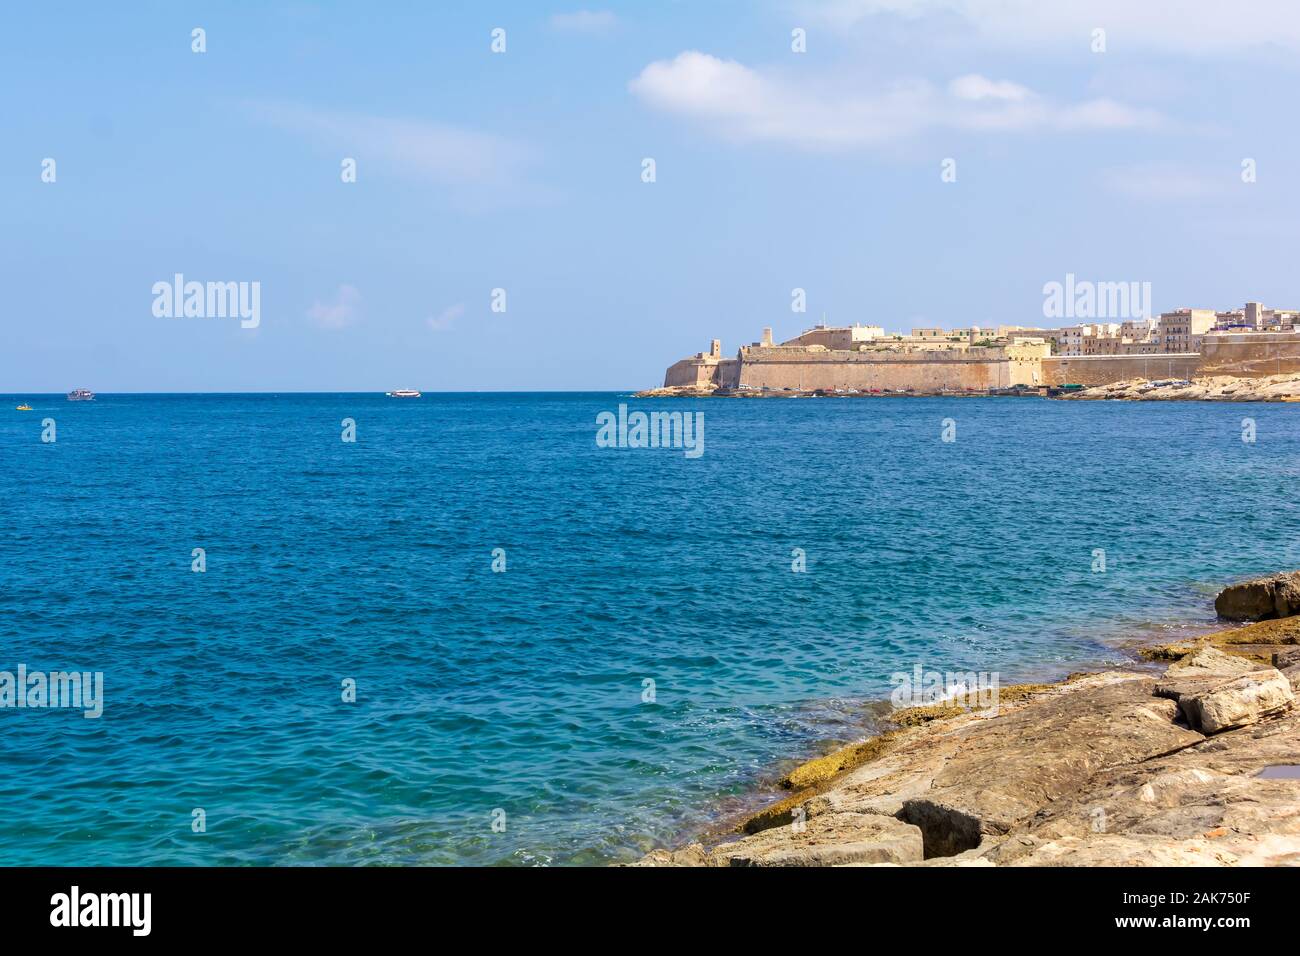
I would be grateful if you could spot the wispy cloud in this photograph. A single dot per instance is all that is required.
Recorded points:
(443, 320)
(1166, 182)
(584, 21)
(420, 149)
(740, 103)
(976, 87)
(342, 310)
(1174, 26)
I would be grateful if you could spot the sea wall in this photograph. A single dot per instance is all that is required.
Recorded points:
(1104, 369)
(1250, 354)
(812, 369)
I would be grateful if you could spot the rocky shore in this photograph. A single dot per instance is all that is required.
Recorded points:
(1214, 388)
(677, 391)
(1196, 762)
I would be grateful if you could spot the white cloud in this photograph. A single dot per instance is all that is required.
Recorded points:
(703, 85)
(420, 149)
(338, 313)
(443, 320)
(743, 104)
(976, 87)
(1175, 26)
(584, 21)
(1107, 114)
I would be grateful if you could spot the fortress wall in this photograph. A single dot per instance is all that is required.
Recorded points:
(691, 371)
(728, 373)
(702, 371)
(812, 370)
(1104, 369)
(1250, 354)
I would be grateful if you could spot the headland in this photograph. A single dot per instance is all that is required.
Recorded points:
(863, 360)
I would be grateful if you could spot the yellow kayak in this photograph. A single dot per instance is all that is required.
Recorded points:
(24, 408)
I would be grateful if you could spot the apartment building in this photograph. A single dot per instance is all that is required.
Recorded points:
(1183, 329)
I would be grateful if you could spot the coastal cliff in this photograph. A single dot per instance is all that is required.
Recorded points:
(1198, 765)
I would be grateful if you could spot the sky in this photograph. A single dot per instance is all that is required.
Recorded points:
(525, 171)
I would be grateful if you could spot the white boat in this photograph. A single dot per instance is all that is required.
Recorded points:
(81, 395)
(403, 393)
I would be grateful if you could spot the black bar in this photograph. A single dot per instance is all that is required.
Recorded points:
(946, 906)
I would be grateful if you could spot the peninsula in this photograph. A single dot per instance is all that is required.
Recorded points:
(1174, 349)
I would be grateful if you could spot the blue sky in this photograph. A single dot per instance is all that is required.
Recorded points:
(522, 170)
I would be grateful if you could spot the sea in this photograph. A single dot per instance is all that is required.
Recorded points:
(474, 635)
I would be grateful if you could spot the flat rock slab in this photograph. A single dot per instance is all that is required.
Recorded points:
(1120, 850)
(1001, 771)
(1204, 804)
(834, 839)
(1201, 670)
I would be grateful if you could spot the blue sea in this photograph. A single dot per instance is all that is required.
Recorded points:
(505, 717)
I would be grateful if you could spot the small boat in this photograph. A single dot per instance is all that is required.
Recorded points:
(24, 407)
(403, 393)
(81, 395)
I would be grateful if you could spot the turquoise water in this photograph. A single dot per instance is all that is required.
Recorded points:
(522, 691)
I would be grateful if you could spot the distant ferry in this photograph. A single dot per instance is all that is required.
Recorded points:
(403, 393)
(81, 395)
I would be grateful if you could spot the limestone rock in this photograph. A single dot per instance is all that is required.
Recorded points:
(1237, 702)
(1004, 769)
(834, 839)
(1262, 598)
(692, 855)
(821, 769)
(1217, 691)
(1206, 795)
(1105, 849)
(974, 778)
(702, 390)
(1286, 658)
(1205, 388)
(1292, 674)
(1094, 772)
(1200, 670)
